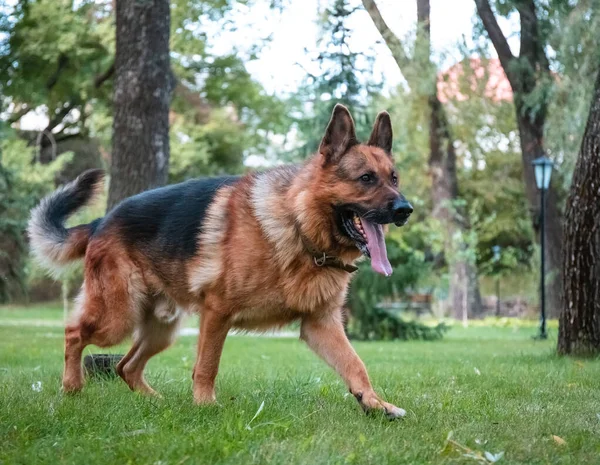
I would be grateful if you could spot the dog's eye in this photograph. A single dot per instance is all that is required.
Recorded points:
(367, 178)
(394, 179)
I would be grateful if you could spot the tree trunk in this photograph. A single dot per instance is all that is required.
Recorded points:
(579, 330)
(531, 135)
(442, 159)
(142, 95)
(465, 297)
(526, 72)
(464, 285)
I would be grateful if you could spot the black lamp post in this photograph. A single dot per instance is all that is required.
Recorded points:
(496, 258)
(543, 172)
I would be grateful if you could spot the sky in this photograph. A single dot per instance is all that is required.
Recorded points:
(282, 63)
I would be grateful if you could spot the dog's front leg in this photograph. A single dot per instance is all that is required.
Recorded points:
(325, 335)
(213, 331)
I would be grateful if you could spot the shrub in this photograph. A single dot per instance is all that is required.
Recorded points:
(367, 320)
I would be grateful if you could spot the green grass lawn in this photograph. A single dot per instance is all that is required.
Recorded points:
(495, 389)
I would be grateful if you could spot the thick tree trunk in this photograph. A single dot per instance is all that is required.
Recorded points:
(142, 95)
(531, 134)
(579, 330)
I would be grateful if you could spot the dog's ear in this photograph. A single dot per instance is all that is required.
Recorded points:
(382, 135)
(340, 135)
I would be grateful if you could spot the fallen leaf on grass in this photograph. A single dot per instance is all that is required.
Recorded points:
(477, 372)
(475, 456)
(260, 409)
(579, 364)
(452, 446)
(493, 458)
(558, 440)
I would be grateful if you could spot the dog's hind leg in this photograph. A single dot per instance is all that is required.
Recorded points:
(155, 332)
(325, 335)
(106, 310)
(74, 345)
(103, 320)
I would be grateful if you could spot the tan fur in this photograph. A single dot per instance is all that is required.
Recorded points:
(207, 266)
(251, 271)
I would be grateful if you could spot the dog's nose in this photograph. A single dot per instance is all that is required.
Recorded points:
(401, 209)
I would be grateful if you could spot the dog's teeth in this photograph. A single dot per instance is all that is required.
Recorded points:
(359, 226)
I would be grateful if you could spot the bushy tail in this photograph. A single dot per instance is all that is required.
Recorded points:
(52, 244)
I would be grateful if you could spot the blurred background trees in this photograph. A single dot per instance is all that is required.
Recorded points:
(467, 119)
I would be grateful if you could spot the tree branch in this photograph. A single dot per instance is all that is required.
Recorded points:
(423, 17)
(19, 114)
(56, 120)
(423, 46)
(58, 117)
(496, 36)
(63, 61)
(101, 78)
(529, 37)
(532, 47)
(391, 40)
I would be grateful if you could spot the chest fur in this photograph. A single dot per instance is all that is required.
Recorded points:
(290, 299)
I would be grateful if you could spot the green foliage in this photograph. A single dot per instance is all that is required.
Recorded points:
(57, 54)
(577, 46)
(241, 119)
(214, 148)
(52, 53)
(567, 33)
(242, 115)
(368, 319)
(23, 182)
(490, 181)
(344, 76)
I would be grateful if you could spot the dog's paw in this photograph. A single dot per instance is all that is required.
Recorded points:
(370, 403)
(205, 397)
(72, 387)
(392, 412)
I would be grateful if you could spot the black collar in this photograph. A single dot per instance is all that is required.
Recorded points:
(321, 259)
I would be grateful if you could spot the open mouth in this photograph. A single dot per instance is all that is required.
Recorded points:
(369, 239)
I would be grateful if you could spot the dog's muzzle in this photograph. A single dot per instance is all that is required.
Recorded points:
(401, 210)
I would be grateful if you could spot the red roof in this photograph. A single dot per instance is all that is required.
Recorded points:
(451, 81)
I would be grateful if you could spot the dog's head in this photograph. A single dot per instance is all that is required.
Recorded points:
(362, 185)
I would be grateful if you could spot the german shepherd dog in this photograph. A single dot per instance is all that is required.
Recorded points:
(251, 252)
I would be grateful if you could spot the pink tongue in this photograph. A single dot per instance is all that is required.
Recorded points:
(376, 246)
